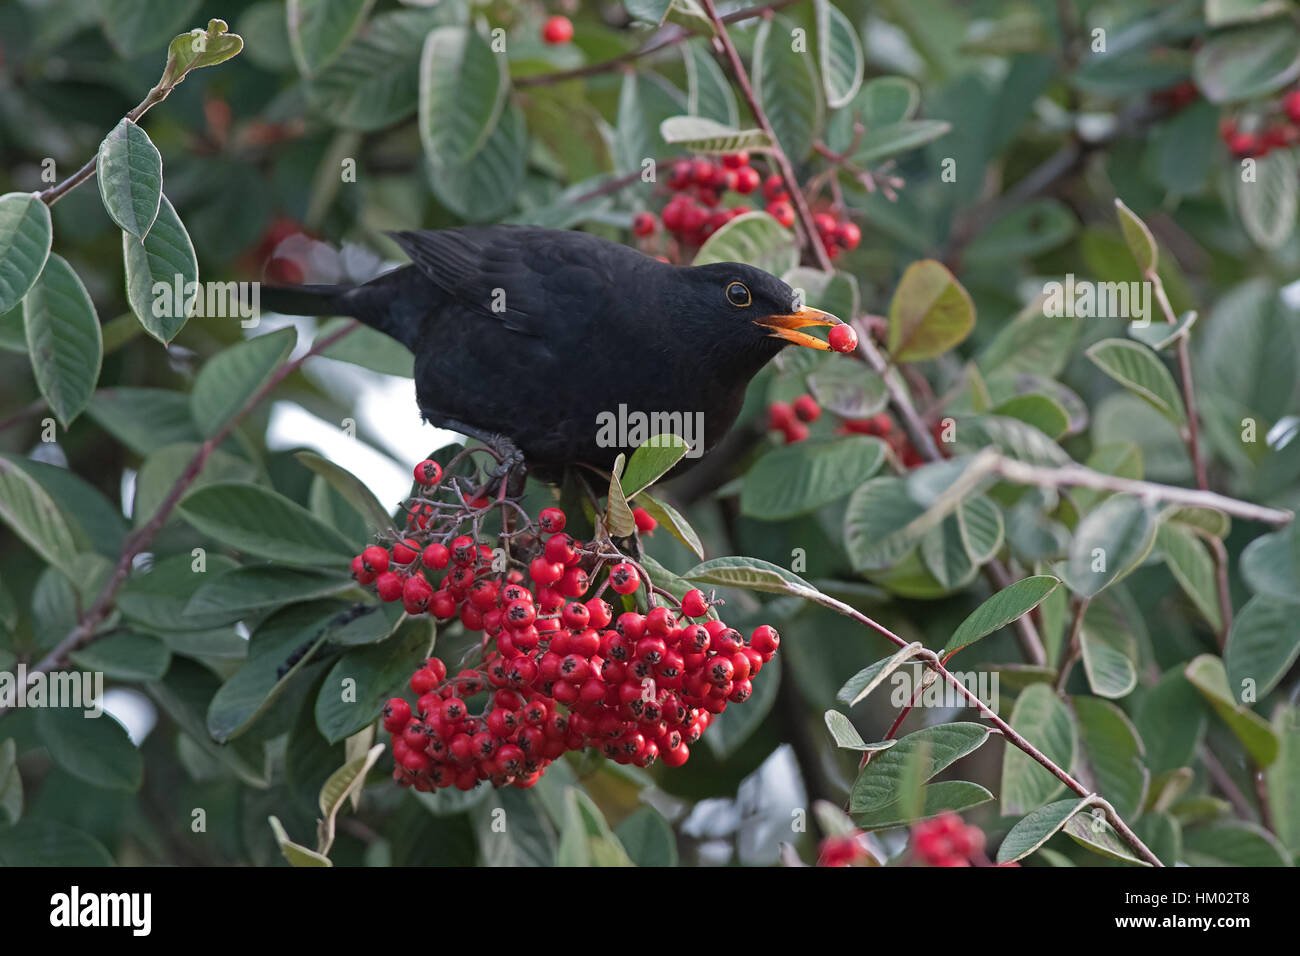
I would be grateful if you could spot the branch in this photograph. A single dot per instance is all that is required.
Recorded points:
(669, 38)
(931, 661)
(778, 154)
(84, 632)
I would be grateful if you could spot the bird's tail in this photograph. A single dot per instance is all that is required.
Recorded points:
(378, 303)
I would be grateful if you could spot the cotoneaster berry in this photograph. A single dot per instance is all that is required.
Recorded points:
(843, 338)
(557, 30)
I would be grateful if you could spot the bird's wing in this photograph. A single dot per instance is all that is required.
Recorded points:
(525, 278)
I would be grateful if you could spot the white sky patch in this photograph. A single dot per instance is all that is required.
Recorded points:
(134, 711)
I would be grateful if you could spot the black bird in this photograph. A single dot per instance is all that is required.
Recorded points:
(540, 342)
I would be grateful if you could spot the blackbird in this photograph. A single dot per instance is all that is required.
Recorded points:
(560, 348)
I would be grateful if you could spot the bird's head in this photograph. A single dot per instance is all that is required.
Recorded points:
(749, 310)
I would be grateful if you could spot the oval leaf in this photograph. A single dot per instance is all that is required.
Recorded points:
(129, 169)
(930, 312)
(63, 338)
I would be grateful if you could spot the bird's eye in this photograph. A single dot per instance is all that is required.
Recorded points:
(738, 295)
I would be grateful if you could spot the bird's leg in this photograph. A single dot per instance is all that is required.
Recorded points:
(511, 469)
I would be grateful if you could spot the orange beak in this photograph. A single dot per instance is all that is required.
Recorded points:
(787, 326)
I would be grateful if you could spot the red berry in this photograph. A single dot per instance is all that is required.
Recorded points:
(1245, 144)
(774, 188)
(1291, 106)
(389, 586)
(428, 472)
(624, 578)
(694, 604)
(436, 556)
(779, 416)
(747, 180)
(416, 594)
(825, 224)
(783, 213)
(545, 572)
(643, 224)
(551, 520)
(557, 30)
(680, 176)
(397, 714)
(795, 432)
(765, 640)
(645, 524)
(843, 338)
(848, 235)
(806, 408)
(736, 160)
(375, 559)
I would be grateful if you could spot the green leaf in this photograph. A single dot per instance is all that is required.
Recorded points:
(798, 479)
(877, 524)
(144, 419)
(1031, 230)
(342, 783)
(165, 259)
(376, 81)
(1233, 843)
(32, 514)
(1171, 721)
(1093, 832)
(861, 684)
(702, 135)
(1207, 675)
(754, 238)
(937, 747)
(1262, 645)
(63, 339)
(947, 796)
(163, 467)
(26, 234)
(652, 459)
(1223, 12)
(648, 838)
(645, 100)
(751, 574)
(834, 292)
(296, 853)
(1035, 829)
(1108, 647)
(198, 48)
(94, 749)
(128, 657)
(1268, 203)
(1003, 608)
(353, 490)
(1138, 238)
(49, 843)
(1190, 563)
(319, 30)
(840, 55)
(263, 523)
(1043, 720)
(929, 314)
(1282, 778)
(1246, 62)
(945, 555)
(618, 514)
(649, 11)
(139, 26)
(484, 187)
(585, 837)
(230, 378)
(155, 598)
(846, 736)
(11, 785)
(785, 84)
(708, 94)
(848, 389)
(669, 518)
(230, 596)
(1037, 410)
(292, 632)
(1161, 335)
(1109, 542)
(1138, 369)
(129, 169)
(884, 142)
(1114, 754)
(359, 684)
(463, 86)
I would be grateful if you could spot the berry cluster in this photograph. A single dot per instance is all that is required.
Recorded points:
(559, 671)
(791, 420)
(947, 841)
(1281, 131)
(695, 210)
(842, 850)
